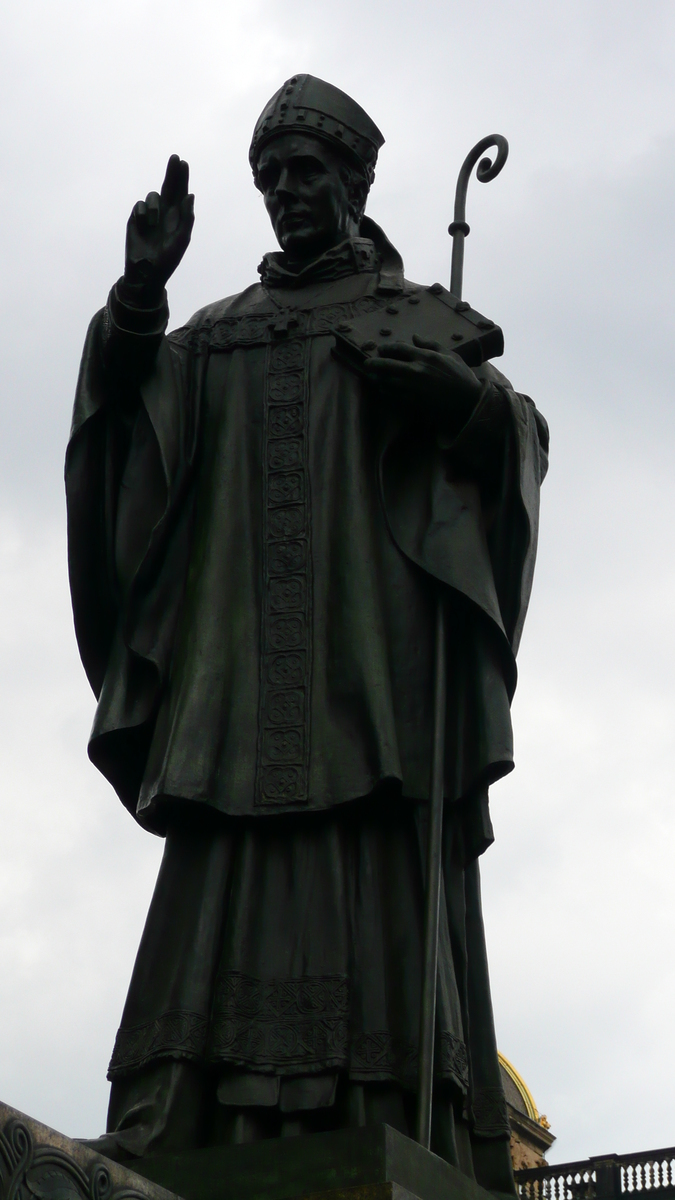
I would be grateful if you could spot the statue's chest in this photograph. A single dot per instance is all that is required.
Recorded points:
(292, 439)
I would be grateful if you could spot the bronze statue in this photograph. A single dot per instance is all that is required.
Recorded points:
(260, 530)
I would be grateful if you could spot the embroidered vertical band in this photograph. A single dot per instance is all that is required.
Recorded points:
(286, 649)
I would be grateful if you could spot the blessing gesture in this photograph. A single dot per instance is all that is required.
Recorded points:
(158, 232)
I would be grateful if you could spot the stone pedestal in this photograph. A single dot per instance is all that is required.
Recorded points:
(377, 1163)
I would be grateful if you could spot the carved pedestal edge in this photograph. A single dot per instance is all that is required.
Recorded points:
(37, 1163)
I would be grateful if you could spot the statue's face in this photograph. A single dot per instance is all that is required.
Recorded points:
(306, 191)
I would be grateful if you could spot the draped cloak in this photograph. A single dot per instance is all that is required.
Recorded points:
(256, 546)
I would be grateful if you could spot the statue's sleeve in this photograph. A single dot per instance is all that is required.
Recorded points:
(127, 476)
(466, 509)
(504, 448)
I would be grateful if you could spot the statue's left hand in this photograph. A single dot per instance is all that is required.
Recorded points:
(438, 388)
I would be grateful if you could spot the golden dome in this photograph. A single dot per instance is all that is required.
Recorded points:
(517, 1090)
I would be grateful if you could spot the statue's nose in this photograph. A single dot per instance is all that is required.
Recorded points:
(285, 184)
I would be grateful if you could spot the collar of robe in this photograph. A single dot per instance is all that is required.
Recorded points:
(348, 258)
(371, 252)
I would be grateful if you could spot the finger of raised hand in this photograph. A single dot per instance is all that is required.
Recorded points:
(175, 185)
(187, 211)
(152, 208)
(184, 179)
(170, 178)
(139, 213)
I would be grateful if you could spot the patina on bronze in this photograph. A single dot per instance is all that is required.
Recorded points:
(260, 533)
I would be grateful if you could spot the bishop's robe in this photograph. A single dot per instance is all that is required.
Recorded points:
(257, 544)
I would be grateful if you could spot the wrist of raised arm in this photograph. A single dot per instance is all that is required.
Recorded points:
(134, 311)
(131, 335)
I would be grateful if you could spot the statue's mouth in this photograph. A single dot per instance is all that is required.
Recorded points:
(294, 220)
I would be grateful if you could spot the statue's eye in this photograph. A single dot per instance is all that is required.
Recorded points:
(267, 178)
(309, 168)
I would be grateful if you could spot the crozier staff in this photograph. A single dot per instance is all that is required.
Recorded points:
(258, 535)
(458, 230)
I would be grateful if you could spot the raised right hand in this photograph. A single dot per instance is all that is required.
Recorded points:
(158, 233)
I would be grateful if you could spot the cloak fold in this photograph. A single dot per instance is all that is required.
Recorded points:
(134, 477)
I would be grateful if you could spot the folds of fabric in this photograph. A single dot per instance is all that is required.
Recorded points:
(279, 975)
(291, 947)
(229, 450)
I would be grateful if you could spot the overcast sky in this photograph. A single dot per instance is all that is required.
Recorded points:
(572, 251)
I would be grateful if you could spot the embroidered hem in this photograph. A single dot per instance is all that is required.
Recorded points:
(177, 1034)
(286, 1027)
(489, 1113)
